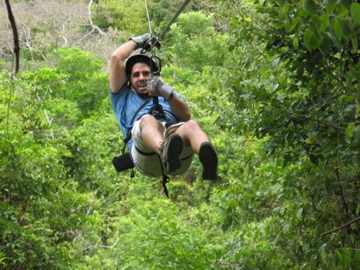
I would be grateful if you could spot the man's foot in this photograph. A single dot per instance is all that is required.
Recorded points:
(170, 151)
(209, 160)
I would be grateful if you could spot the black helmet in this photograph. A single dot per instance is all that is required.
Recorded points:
(152, 61)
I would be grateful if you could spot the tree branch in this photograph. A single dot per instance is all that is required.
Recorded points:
(91, 22)
(102, 246)
(342, 226)
(322, 122)
(16, 36)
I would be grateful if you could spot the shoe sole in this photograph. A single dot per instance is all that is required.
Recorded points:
(174, 149)
(209, 160)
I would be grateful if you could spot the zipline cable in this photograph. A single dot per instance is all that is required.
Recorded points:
(154, 44)
(174, 18)
(148, 16)
(168, 25)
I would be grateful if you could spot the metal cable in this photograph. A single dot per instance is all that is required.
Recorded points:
(174, 18)
(148, 16)
(168, 25)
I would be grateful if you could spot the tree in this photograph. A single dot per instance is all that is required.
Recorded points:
(273, 84)
(61, 24)
(304, 103)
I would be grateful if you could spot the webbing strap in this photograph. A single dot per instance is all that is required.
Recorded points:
(156, 108)
(128, 138)
(165, 180)
(160, 109)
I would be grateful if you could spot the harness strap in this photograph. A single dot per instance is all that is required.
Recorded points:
(128, 138)
(165, 180)
(160, 109)
(144, 153)
(156, 108)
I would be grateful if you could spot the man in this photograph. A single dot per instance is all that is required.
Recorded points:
(155, 149)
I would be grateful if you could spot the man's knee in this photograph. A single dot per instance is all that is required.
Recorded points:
(147, 119)
(192, 125)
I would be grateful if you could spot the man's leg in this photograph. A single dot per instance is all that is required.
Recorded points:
(152, 133)
(192, 134)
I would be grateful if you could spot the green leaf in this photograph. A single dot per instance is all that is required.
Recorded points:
(345, 256)
(330, 6)
(290, 24)
(324, 22)
(311, 40)
(356, 133)
(355, 12)
(307, 39)
(349, 132)
(354, 43)
(296, 42)
(346, 28)
(325, 45)
(357, 259)
(309, 7)
(299, 212)
(285, 9)
(358, 209)
(334, 41)
(336, 26)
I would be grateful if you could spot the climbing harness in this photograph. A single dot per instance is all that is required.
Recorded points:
(124, 162)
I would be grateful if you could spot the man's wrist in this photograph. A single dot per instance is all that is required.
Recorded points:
(171, 96)
(166, 92)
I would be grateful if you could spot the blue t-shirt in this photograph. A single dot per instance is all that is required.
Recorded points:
(125, 104)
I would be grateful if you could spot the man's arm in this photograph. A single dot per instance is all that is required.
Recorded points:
(180, 108)
(156, 86)
(117, 68)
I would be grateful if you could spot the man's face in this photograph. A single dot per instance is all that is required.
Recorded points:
(139, 77)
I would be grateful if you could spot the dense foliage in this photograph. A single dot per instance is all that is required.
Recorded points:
(274, 84)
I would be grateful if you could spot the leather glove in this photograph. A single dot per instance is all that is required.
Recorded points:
(145, 41)
(156, 85)
(141, 40)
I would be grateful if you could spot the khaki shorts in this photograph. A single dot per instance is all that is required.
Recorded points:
(148, 162)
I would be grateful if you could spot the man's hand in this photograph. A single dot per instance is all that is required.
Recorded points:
(156, 85)
(141, 40)
(145, 41)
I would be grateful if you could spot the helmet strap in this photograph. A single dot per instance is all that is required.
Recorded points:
(138, 92)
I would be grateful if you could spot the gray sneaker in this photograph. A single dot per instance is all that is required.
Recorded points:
(170, 151)
(209, 159)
